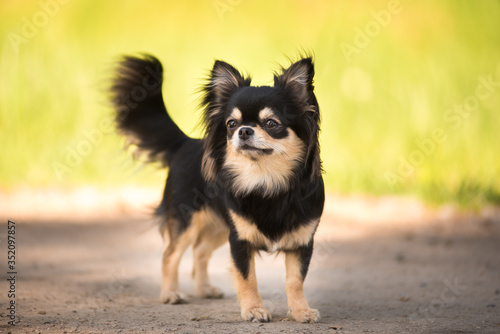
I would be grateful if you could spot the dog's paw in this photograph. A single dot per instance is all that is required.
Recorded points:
(304, 315)
(256, 314)
(209, 291)
(172, 297)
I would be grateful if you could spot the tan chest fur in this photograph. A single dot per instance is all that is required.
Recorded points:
(248, 231)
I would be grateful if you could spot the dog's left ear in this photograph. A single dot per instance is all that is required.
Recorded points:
(298, 79)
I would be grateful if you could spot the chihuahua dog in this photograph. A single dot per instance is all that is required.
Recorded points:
(255, 179)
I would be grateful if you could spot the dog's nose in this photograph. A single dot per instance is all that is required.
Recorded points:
(245, 133)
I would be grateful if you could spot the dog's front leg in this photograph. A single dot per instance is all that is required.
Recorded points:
(242, 254)
(297, 264)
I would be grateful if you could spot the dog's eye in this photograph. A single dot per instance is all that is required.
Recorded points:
(271, 124)
(231, 124)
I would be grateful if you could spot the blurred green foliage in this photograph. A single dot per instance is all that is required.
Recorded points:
(409, 90)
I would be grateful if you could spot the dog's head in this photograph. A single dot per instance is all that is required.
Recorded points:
(261, 139)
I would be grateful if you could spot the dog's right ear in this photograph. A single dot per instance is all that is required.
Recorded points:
(222, 83)
(224, 80)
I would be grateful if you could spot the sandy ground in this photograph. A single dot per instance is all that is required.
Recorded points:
(89, 262)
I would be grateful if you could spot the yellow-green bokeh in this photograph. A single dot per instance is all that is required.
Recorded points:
(387, 75)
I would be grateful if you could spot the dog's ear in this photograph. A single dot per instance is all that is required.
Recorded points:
(222, 82)
(298, 80)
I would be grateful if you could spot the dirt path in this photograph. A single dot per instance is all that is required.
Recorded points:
(380, 266)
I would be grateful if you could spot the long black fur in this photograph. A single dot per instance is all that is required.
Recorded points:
(196, 177)
(140, 110)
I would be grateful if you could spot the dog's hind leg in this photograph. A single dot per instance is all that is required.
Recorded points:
(172, 255)
(213, 235)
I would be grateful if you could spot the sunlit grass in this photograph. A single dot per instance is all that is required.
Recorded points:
(377, 107)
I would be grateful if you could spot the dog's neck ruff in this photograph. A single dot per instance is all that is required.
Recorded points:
(266, 174)
(268, 179)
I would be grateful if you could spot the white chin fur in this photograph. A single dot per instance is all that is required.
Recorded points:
(268, 173)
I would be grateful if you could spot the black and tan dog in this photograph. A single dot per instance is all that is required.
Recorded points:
(255, 179)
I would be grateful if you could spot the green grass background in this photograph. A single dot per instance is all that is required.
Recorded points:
(393, 93)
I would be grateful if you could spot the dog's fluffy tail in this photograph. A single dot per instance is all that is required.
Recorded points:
(140, 111)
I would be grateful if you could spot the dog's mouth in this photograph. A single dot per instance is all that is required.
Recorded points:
(250, 148)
